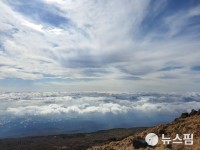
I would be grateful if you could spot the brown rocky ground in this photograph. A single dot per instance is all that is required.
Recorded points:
(185, 124)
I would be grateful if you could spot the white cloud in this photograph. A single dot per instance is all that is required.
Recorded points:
(73, 104)
(98, 35)
(33, 26)
(66, 111)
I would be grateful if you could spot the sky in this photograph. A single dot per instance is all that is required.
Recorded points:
(100, 45)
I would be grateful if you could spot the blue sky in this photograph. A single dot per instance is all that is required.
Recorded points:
(98, 45)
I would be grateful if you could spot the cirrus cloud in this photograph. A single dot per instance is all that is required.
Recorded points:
(112, 42)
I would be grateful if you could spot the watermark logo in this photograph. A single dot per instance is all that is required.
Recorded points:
(187, 139)
(151, 139)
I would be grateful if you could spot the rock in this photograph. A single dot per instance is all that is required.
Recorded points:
(184, 115)
(176, 119)
(139, 143)
(193, 112)
(198, 112)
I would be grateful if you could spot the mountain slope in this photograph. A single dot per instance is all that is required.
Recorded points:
(185, 124)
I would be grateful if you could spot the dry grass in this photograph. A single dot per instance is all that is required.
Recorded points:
(189, 125)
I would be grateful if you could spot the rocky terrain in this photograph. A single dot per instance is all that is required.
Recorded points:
(187, 123)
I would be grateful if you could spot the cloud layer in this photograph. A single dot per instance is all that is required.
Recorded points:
(86, 45)
(58, 112)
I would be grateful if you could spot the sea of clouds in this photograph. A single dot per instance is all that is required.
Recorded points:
(43, 113)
